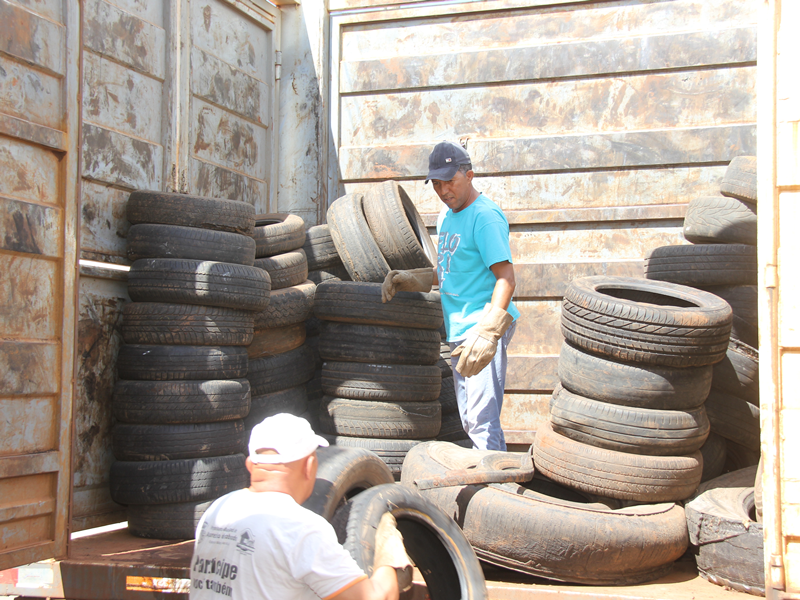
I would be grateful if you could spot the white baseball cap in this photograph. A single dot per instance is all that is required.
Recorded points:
(289, 436)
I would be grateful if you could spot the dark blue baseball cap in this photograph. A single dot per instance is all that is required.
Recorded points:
(445, 160)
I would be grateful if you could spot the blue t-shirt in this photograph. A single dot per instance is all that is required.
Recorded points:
(470, 242)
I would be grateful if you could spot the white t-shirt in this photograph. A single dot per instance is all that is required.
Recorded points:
(265, 546)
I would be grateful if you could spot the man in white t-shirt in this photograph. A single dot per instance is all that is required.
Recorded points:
(260, 544)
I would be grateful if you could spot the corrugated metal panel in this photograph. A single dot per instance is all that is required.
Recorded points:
(38, 163)
(592, 124)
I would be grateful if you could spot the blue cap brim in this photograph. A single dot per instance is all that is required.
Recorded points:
(443, 174)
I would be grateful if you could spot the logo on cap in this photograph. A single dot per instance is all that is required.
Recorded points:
(448, 160)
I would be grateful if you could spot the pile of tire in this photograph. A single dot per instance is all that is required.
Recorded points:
(280, 362)
(628, 419)
(452, 429)
(182, 394)
(721, 259)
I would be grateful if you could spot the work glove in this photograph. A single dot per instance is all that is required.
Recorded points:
(480, 346)
(413, 280)
(390, 552)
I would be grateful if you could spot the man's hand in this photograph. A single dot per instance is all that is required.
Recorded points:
(480, 346)
(413, 280)
(390, 552)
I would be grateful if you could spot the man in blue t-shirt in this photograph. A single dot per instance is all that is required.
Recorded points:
(476, 281)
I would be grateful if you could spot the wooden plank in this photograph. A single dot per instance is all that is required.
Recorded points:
(32, 509)
(50, 9)
(124, 37)
(28, 172)
(522, 415)
(532, 373)
(553, 61)
(30, 94)
(28, 291)
(550, 280)
(32, 39)
(118, 159)
(561, 153)
(217, 182)
(26, 532)
(223, 85)
(104, 226)
(28, 425)
(119, 98)
(29, 228)
(31, 132)
(39, 466)
(538, 328)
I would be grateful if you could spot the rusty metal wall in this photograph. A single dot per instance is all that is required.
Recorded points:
(177, 96)
(38, 214)
(592, 124)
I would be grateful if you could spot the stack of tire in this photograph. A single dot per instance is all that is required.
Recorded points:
(379, 373)
(280, 362)
(722, 260)
(628, 419)
(182, 393)
(452, 428)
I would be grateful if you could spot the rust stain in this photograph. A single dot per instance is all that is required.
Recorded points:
(207, 18)
(22, 237)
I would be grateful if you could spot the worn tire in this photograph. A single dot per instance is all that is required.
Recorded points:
(185, 324)
(740, 179)
(150, 240)
(720, 220)
(360, 302)
(615, 474)
(703, 265)
(734, 419)
(378, 344)
(397, 227)
(277, 233)
(285, 270)
(391, 420)
(276, 340)
(714, 452)
(650, 322)
(543, 529)
(447, 398)
(190, 211)
(319, 248)
(445, 360)
(354, 242)
(431, 538)
(161, 363)
(342, 473)
(742, 298)
(631, 384)
(282, 371)
(452, 428)
(335, 272)
(170, 481)
(173, 442)
(198, 282)
(287, 306)
(176, 521)
(737, 373)
(381, 382)
(739, 457)
(742, 331)
(180, 401)
(627, 429)
(293, 400)
(391, 452)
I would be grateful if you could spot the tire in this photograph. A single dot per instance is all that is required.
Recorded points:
(742, 298)
(277, 233)
(720, 220)
(390, 420)
(615, 474)
(737, 373)
(635, 385)
(380, 382)
(543, 529)
(397, 227)
(650, 322)
(173, 442)
(738, 457)
(342, 473)
(730, 544)
(333, 273)
(171, 481)
(626, 429)
(198, 282)
(734, 419)
(161, 363)
(452, 428)
(287, 306)
(432, 539)
(353, 239)
(280, 372)
(320, 249)
(191, 211)
(444, 363)
(714, 452)
(379, 345)
(742, 331)
(703, 265)
(391, 452)
(740, 179)
(448, 397)
(172, 402)
(185, 324)
(147, 240)
(292, 400)
(285, 270)
(166, 521)
(360, 302)
(278, 340)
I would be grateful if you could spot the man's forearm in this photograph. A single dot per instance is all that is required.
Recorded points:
(504, 286)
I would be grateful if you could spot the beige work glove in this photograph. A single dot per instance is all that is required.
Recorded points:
(390, 552)
(480, 346)
(413, 280)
